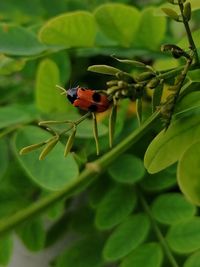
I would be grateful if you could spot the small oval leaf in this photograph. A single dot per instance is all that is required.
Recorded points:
(184, 237)
(112, 210)
(172, 208)
(84, 253)
(193, 260)
(127, 169)
(33, 235)
(6, 249)
(48, 97)
(160, 181)
(147, 255)
(126, 237)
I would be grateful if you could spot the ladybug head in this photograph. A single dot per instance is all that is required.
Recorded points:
(72, 94)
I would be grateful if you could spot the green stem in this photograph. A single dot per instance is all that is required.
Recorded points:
(89, 173)
(179, 87)
(189, 34)
(157, 231)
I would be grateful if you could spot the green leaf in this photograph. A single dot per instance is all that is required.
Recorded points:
(171, 13)
(81, 220)
(15, 191)
(193, 260)
(56, 210)
(188, 173)
(98, 190)
(148, 255)
(149, 35)
(85, 129)
(194, 3)
(194, 75)
(126, 237)
(188, 106)
(9, 65)
(12, 115)
(48, 97)
(18, 41)
(104, 69)
(6, 248)
(52, 173)
(75, 29)
(127, 169)
(63, 61)
(165, 63)
(184, 237)
(119, 22)
(84, 253)
(168, 146)
(160, 181)
(184, 42)
(172, 208)
(32, 234)
(4, 160)
(112, 204)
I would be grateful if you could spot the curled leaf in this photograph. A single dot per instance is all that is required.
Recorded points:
(30, 148)
(112, 122)
(70, 142)
(49, 146)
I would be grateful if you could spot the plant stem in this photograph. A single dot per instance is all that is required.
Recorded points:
(177, 92)
(189, 34)
(88, 174)
(157, 230)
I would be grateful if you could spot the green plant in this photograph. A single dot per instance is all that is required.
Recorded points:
(122, 215)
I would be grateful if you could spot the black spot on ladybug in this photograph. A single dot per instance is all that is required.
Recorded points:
(96, 97)
(71, 99)
(93, 108)
(72, 94)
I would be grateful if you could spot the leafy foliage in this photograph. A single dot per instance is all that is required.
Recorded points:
(128, 216)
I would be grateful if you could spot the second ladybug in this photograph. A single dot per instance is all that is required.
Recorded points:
(87, 99)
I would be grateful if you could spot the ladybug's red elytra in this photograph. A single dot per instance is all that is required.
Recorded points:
(87, 99)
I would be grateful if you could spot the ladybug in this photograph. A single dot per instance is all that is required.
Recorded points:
(87, 99)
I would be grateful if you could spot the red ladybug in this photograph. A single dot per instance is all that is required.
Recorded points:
(88, 99)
